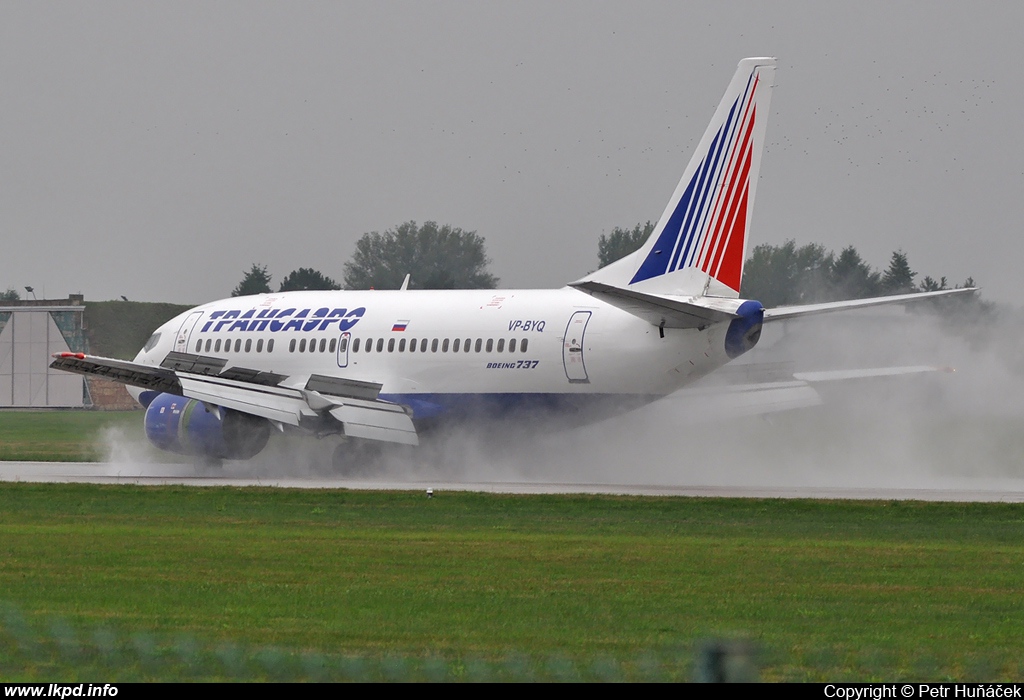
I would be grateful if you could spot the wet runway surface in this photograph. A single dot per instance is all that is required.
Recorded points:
(941, 489)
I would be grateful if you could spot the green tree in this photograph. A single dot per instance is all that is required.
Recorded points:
(306, 278)
(255, 281)
(930, 285)
(10, 295)
(621, 242)
(437, 257)
(852, 278)
(786, 275)
(899, 278)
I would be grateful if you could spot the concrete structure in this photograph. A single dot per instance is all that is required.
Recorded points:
(31, 331)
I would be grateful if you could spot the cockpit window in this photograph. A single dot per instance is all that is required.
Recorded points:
(151, 343)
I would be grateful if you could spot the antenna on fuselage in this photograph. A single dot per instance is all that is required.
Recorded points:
(405, 284)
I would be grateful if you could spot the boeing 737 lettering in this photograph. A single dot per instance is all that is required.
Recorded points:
(378, 367)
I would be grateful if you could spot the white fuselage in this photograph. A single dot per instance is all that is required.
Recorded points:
(525, 347)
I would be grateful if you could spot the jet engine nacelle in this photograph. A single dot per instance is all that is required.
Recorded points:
(744, 331)
(190, 427)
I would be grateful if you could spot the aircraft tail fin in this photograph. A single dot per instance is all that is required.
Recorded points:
(699, 244)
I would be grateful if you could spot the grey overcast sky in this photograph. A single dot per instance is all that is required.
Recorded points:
(157, 150)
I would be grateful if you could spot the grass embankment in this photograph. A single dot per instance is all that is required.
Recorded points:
(62, 436)
(829, 589)
(120, 328)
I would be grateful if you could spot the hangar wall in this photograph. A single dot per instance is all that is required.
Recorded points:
(29, 333)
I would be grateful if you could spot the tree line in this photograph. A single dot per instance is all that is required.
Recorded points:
(437, 257)
(788, 274)
(448, 257)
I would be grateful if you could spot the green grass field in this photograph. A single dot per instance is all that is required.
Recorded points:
(827, 590)
(58, 436)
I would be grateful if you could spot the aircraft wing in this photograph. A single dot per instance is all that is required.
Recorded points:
(784, 312)
(130, 373)
(306, 401)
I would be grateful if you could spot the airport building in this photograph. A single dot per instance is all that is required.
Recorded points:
(30, 332)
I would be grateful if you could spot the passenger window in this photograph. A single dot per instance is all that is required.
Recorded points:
(444, 345)
(433, 345)
(401, 345)
(501, 345)
(466, 347)
(270, 345)
(490, 344)
(479, 342)
(259, 345)
(323, 345)
(412, 345)
(344, 344)
(423, 344)
(238, 345)
(369, 345)
(227, 345)
(391, 345)
(217, 347)
(455, 345)
(312, 344)
(208, 341)
(522, 348)
(355, 345)
(512, 345)
(199, 346)
(302, 345)
(291, 345)
(380, 345)
(248, 344)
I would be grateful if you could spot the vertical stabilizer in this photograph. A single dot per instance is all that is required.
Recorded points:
(700, 242)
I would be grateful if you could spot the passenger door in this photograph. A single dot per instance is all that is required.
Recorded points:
(572, 348)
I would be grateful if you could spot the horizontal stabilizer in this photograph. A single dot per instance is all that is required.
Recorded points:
(662, 311)
(784, 312)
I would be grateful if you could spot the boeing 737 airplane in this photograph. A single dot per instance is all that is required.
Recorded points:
(378, 367)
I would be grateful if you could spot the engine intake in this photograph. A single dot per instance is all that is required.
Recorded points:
(189, 427)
